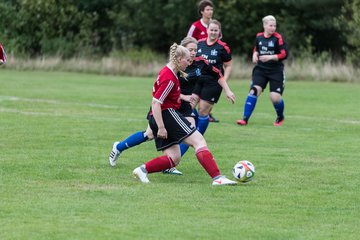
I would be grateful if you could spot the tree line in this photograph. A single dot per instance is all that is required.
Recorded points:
(69, 28)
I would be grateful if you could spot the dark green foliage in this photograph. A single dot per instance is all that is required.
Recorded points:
(98, 27)
(349, 22)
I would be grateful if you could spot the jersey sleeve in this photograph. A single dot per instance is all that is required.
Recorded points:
(162, 90)
(226, 54)
(209, 69)
(282, 48)
(191, 32)
(256, 47)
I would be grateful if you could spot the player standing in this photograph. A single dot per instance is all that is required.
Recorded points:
(209, 89)
(198, 29)
(269, 52)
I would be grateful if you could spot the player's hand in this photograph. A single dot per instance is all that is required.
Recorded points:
(162, 133)
(194, 100)
(255, 57)
(266, 58)
(231, 97)
(187, 98)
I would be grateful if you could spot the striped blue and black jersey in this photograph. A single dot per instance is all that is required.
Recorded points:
(199, 68)
(216, 54)
(273, 45)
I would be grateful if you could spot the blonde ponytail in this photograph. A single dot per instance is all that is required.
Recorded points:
(177, 51)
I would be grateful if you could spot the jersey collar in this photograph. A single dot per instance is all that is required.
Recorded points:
(167, 65)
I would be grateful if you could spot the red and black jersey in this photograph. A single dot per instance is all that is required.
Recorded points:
(216, 54)
(2, 54)
(166, 89)
(270, 46)
(199, 68)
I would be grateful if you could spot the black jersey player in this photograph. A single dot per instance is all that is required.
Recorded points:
(208, 88)
(269, 52)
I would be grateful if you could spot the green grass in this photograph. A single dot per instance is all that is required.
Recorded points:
(56, 131)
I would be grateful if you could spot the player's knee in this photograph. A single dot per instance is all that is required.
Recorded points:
(204, 112)
(199, 141)
(149, 134)
(275, 97)
(253, 91)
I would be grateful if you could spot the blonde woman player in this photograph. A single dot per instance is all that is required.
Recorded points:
(198, 67)
(170, 127)
(269, 52)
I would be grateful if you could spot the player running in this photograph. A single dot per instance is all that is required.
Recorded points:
(198, 67)
(269, 52)
(170, 127)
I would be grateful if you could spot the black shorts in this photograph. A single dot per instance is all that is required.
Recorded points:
(177, 127)
(186, 109)
(208, 90)
(261, 77)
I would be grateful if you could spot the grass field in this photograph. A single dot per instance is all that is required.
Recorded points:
(56, 131)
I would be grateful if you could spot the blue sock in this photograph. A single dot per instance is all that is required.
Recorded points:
(183, 148)
(131, 141)
(249, 107)
(203, 123)
(196, 113)
(279, 107)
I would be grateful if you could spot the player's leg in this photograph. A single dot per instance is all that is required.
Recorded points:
(277, 86)
(206, 159)
(170, 159)
(258, 84)
(183, 146)
(209, 95)
(203, 120)
(212, 118)
(178, 128)
(131, 141)
(186, 110)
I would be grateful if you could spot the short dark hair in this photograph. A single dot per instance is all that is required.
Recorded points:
(203, 4)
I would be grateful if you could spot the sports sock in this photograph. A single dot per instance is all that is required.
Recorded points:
(183, 148)
(249, 107)
(131, 141)
(279, 108)
(196, 113)
(208, 162)
(203, 123)
(158, 164)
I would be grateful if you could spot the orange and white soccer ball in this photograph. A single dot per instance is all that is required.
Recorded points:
(244, 171)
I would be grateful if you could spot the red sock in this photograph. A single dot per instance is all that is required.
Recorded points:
(208, 162)
(159, 163)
